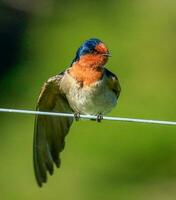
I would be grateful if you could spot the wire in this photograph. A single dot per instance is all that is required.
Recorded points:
(30, 112)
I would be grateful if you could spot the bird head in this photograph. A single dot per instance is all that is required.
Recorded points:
(92, 51)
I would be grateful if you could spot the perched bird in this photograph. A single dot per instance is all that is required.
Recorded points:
(86, 87)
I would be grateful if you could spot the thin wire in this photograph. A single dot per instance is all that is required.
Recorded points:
(30, 112)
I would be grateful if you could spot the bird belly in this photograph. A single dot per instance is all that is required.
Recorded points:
(93, 100)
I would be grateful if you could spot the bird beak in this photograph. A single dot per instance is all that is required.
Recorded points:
(106, 54)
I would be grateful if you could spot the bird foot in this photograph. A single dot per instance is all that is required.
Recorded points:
(77, 116)
(99, 117)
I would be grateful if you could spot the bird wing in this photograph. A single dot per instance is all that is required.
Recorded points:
(113, 82)
(50, 131)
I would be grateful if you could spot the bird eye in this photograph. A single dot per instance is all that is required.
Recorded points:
(95, 51)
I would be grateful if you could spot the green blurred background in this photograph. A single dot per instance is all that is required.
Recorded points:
(108, 160)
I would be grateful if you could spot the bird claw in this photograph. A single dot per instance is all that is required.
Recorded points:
(77, 116)
(99, 117)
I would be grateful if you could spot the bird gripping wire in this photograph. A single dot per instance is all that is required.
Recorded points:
(123, 119)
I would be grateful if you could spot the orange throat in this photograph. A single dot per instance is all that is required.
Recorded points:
(88, 69)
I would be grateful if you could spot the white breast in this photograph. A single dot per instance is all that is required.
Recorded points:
(94, 99)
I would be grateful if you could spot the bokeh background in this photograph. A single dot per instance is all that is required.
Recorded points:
(108, 160)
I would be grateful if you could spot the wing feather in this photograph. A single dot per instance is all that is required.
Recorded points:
(50, 131)
(113, 82)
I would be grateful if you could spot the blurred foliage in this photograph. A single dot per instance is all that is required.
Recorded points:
(110, 160)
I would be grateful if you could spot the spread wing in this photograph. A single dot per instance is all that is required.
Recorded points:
(113, 82)
(50, 131)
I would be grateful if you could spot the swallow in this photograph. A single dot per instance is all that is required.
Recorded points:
(85, 87)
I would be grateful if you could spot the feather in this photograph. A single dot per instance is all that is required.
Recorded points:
(50, 131)
(113, 82)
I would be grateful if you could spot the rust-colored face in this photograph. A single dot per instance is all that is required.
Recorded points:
(97, 58)
(94, 60)
(89, 68)
(101, 49)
